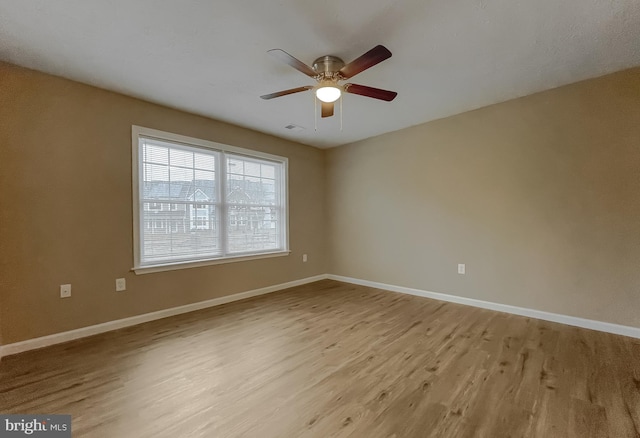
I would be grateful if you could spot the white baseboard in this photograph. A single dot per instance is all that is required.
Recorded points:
(608, 327)
(57, 338)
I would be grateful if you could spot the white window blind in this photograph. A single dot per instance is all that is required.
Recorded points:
(197, 202)
(254, 205)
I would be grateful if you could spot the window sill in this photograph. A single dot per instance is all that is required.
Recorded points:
(149, 269)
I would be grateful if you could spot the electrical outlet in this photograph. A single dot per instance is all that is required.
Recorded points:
(65, 290)
(304, 258)
(121, 284)
(461, 268)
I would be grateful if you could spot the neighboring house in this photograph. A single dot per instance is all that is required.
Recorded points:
(188, 206)
(170, 206)
(201, 212)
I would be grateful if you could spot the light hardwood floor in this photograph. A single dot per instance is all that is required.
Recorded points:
(335, 360)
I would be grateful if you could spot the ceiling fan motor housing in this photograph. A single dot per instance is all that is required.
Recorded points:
(328, 66)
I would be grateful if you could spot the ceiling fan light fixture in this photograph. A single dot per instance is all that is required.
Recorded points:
(328, 93)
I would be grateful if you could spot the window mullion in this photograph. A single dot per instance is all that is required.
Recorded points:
(222, 196)
(169, 179)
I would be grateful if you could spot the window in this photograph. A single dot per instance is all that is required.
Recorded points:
(198, 202)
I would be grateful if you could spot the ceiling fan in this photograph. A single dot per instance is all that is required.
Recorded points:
(329, 71)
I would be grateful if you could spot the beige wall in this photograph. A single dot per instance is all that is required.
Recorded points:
(539, 196)
(66, 213)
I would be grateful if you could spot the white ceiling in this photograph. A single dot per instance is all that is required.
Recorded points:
(210, 57)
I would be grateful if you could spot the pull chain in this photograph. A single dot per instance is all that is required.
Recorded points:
(315, 113)
(341, 114)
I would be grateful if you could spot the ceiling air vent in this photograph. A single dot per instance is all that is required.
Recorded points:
(294, 128)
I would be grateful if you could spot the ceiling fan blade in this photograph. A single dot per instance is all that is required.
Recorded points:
(372, 57)
(376, 93)
(327, 109)
(286, 92)
(293, 62)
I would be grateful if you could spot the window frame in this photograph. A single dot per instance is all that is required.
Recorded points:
(139, 131)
